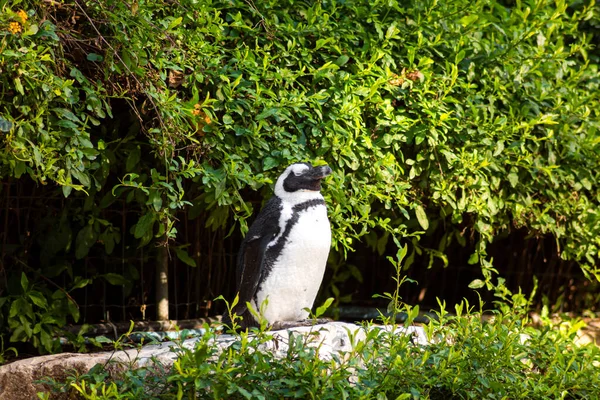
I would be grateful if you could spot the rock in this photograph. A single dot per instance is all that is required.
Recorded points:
(18, 379)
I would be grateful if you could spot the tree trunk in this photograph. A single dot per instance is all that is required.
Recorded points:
(162, 282)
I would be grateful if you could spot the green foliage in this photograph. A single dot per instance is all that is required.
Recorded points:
(471, 355)
(48, 108)
(475, 116)
(36, 313)
(479, 110)
(4, 351)
(138, 382)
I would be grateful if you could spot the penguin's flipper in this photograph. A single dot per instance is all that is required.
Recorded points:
(251, 266)
(251, 258)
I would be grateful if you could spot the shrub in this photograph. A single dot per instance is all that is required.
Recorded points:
(471, 118)
(470, 354)
(469, 357)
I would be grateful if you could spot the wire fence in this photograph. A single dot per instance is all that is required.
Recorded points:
(29, 216)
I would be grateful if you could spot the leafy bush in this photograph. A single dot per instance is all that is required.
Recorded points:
(463, 117)
(470, 354)
(469, 357)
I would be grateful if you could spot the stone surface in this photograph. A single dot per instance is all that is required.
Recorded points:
(17, 380)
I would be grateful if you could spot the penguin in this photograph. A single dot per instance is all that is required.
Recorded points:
(282, 259)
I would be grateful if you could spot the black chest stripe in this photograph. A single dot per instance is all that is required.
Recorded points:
(275, 250)
(306, 205)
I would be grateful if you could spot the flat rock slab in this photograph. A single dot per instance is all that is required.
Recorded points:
(18, 379)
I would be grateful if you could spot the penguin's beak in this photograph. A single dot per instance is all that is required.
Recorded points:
(320, 172)
(315, 175)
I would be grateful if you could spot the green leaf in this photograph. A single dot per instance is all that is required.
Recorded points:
(183, 255)
(14, 308)
(355, 272)
(321, 310)
(19, 86)
(26, 325)
(473, 259)
(81, 177)
(24, 281)
(32, 30)
(66, 113)
(37, 156)
(244, 392)
(80, 282)
(65, 123)
(267, 113)
(22, 308)
(109, 240)
(468, 19)
(341, 60)
(156, 200)
(175, 22)
(227, 120)
(84, 241)
(94, 57)
(67, 190)
(513, 179)
(144, 225)
(20, 168)
(322, 42)
(115, 279)
(104, 339)
(391, 30)
(38, 299)
(269, 163)
(476, 284)
(425, 61)
(73, 309)
(18, 335)
(586, 183)
(46, 340)
(422, 217)
(133, 159)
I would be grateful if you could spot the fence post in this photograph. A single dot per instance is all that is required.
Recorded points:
(162, 281)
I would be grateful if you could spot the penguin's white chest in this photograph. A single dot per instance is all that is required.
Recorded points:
(297, 273)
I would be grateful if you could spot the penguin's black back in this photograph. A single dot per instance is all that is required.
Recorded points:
(251, 258)
(264, 229)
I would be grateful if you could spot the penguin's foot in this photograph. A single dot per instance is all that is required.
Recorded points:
(279, 325)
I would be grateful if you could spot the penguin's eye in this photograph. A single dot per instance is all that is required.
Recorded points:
(298, 173)
(299, 169)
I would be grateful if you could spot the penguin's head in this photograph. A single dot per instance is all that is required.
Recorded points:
(300, 178)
